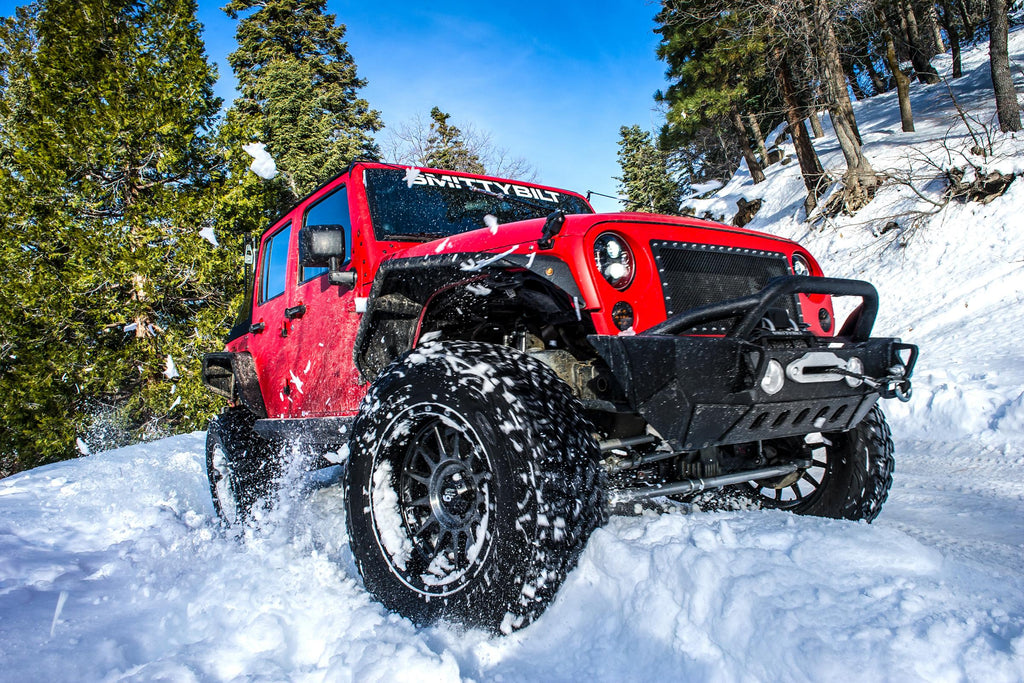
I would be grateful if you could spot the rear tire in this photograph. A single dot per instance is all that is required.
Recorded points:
(472, 486)
(850, 476)
(241, 465)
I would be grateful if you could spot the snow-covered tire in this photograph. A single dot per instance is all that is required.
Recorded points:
(850, 476)
(472, 486)
(241, 465)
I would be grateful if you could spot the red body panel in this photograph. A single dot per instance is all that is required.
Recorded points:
(306, 365)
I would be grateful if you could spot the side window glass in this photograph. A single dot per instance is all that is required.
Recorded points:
(331, 210)
(275, 264)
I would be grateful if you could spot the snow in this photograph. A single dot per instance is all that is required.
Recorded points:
(113, 566)
(209, 235)
(388, 517)
(492, 223)
(262, 164)
(170, 369)
(473, 265)
(411, 175)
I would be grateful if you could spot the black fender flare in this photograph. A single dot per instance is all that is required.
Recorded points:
(233, 376)
(404, 287)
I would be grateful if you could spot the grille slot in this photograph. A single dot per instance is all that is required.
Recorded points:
(695, 275)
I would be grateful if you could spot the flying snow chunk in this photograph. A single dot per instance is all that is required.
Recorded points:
(83, 448)
(411, 174)
(262, 163)
(492, 223)
(208, 235)
(171, 371)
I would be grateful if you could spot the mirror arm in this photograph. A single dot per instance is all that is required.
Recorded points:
(336, 276)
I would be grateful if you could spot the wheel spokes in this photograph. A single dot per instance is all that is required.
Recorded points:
(418, 478)
(423, 501)
(443, 495)
(441, 450)
(425, 455)
(806, 476)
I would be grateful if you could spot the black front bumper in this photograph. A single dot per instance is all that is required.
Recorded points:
(699, 392)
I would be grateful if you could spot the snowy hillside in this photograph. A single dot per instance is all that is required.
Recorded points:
(112, 566)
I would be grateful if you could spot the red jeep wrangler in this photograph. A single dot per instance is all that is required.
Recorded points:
(494, 364)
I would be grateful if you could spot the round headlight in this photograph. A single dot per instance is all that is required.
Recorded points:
(614, 260)
(801, 265)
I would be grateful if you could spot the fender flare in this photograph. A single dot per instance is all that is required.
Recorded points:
(403, 287)
(233, 376)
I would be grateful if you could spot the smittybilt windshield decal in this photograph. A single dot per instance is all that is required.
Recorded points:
(457, 182)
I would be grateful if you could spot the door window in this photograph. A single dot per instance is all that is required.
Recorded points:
(331, 210)
(275, 264)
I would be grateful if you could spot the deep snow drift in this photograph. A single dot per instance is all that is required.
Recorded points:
(112, 566)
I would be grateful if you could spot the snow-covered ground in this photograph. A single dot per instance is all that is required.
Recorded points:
(112, 567)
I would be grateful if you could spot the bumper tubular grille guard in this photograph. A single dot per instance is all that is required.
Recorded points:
(699, 391)
(754, 306)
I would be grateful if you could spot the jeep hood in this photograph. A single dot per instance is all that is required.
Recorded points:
(522, 236)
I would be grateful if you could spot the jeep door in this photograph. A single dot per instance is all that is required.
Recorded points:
(269, 340)
(324, 377)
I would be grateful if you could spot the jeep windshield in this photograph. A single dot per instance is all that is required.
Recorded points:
(406, 205)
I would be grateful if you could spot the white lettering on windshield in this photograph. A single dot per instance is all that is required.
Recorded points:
(456, 182)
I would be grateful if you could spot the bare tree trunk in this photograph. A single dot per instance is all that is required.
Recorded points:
(810, 167)
(755, 128)
(914, 30)
(878, 82)
(999, 63)
(949, 23)
(815, 121)
(923, 68)
(958, 68)
(968, 21)
(851, 76)
(756, 172)
(902, 83)
(933, 26)
(860, 176)
(813, 117)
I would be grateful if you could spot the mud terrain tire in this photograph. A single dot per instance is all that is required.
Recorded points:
(241, 465)
(472, 486)
(852, 473)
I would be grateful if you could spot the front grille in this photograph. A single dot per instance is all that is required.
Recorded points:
(695, 275)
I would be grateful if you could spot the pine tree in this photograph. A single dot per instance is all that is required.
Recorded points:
(298, 93)
(445, 147)
(412, 141)
(645, 180)
(717, 66)
(109, 294)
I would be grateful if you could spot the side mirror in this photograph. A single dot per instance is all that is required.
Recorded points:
(324, 246)
(318, 244)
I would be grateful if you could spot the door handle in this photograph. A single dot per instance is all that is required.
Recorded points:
(256, 328)
(295, 312)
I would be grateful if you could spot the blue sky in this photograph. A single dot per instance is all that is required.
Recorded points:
(551, 81)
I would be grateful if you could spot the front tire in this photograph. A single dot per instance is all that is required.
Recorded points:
(850, 474)
(472, 484)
